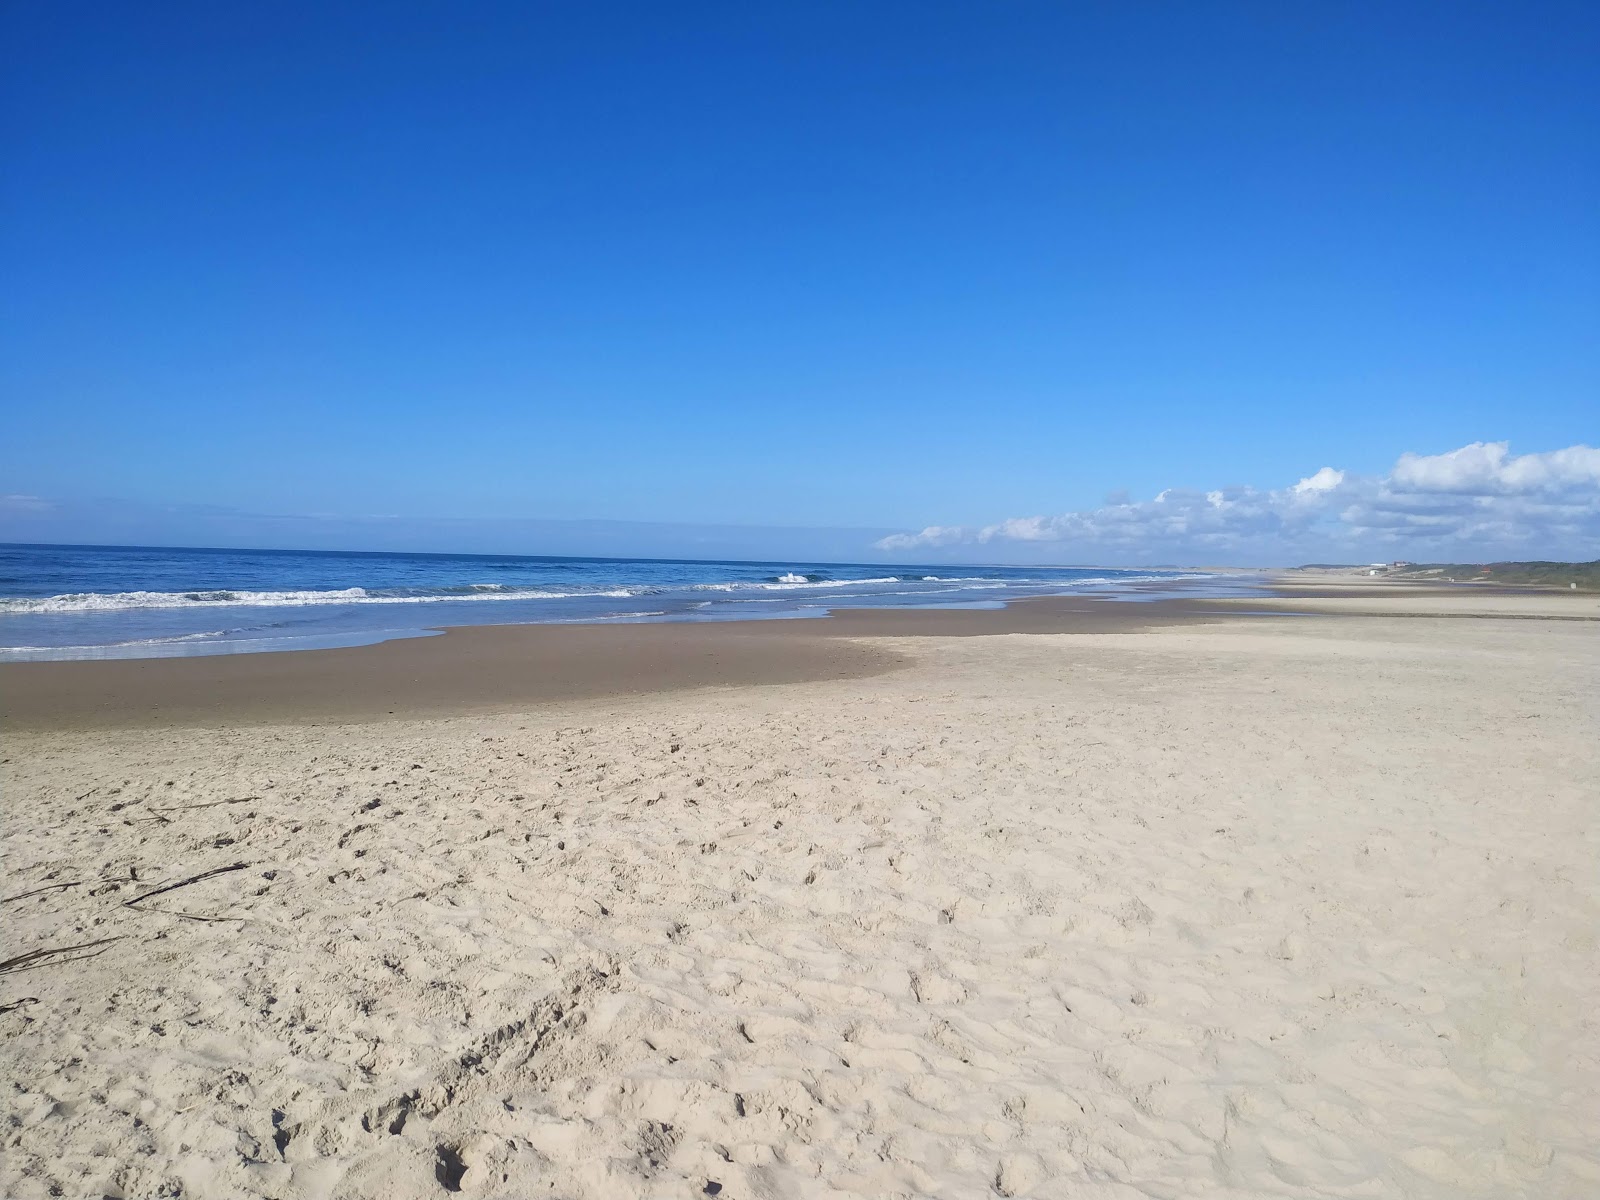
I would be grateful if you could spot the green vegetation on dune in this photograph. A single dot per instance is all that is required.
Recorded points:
(1545, 574)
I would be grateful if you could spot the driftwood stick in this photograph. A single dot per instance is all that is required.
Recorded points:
(35, 958)
(172, 887)
(49, 887)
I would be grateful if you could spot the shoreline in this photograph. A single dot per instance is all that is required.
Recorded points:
(498, 668)
(98, 606)
(335, 624)
(487, 669)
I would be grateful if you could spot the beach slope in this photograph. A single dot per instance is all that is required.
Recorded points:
(1294, 906)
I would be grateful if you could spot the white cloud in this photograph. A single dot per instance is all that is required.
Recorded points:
(933, 535)
(1488, 468)
(1324, 480)
(1475, 502)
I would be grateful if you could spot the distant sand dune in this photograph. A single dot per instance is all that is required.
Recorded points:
(1272, 908)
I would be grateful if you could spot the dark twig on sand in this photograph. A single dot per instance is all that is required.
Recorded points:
(172, 887)
(172, 912)
(207, 804)
(36, 958)
(49, 887)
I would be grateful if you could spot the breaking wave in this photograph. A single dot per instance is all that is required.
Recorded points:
(81, 602)
(88, 602)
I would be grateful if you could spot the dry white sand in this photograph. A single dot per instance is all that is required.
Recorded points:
(1408, 598)
(1283, 907)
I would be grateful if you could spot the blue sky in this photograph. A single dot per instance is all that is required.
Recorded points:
(413, 274)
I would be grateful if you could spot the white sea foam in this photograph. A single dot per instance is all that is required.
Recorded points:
(206, 635)
(844, 600)
(781, 585)
(91, 602)
(82, 602)
(87, 602)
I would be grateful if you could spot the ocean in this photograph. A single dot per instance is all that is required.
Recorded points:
(95, 602)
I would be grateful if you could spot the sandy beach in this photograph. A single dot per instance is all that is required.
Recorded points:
(1293, 897)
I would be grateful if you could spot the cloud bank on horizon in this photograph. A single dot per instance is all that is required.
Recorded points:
(1475, 503)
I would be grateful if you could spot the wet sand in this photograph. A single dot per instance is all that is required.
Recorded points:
(503, 668)
(496, 668)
